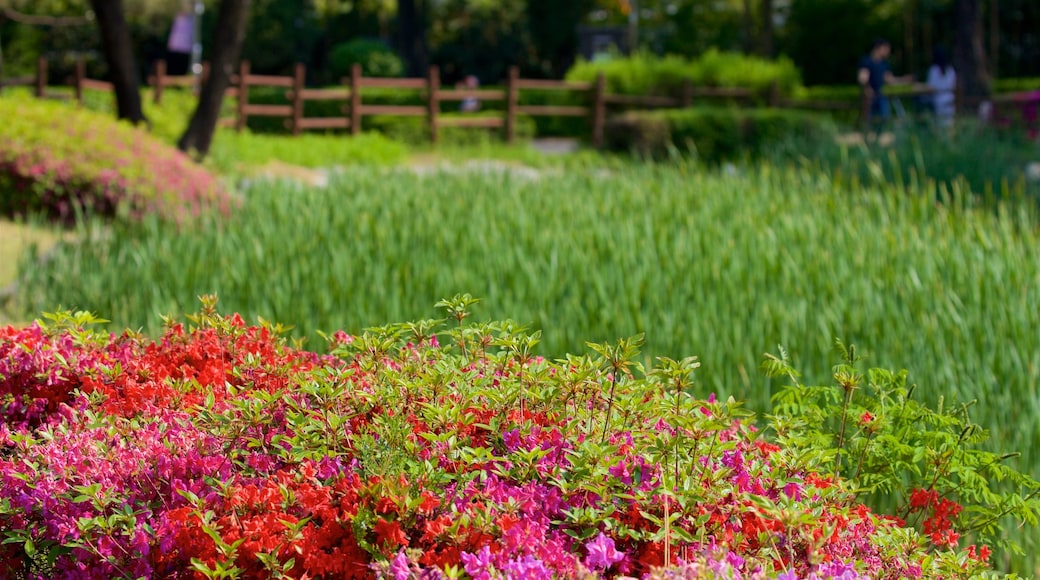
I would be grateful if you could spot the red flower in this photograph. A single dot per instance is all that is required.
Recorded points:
(429, 503)
(866, 419)
(390, 533)
(981, 556)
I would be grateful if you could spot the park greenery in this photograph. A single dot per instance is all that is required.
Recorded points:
(676, 357)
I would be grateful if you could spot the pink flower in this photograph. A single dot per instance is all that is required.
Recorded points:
(602, 553)
(399, 567)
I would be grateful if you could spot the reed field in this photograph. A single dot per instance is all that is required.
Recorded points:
(725, 267)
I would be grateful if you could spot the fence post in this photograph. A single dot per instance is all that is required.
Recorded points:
(81, 73)
(297, 97)
(599, 110)
(355, 99)
(433, 85)
(160, 80)
(41, 77)
(774, 94)
(243, 95)
(686, 97)
(512, 100)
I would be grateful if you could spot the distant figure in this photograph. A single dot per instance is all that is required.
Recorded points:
(942, 79)
(179, 45)
(874, 74)
(469, 104)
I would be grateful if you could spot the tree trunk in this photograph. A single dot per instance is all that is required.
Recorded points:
(969, 56)
(767, 29)
(748, 27)
(119, 53)
(411, 31)
(229, 32)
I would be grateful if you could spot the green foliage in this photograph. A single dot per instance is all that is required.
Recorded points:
(1014, 85)
(415, 131)
(714, 134)
(975, 161)
(481, 38)
(60, 160)
(375, 58)
(896, 451)
(237, 151)
(280, 34)
(828, 37)
(644, 73)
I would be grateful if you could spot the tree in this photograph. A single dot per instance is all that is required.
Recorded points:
(969, 55)
(228, 34)
(119, 53)
(411, 35)
(766, 42)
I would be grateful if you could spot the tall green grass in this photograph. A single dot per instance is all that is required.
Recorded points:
(722, 267)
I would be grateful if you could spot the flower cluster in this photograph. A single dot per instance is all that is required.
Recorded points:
(938, 525)
(96, 164)
(221, 451)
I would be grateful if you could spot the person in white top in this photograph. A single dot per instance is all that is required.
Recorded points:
(942, 79)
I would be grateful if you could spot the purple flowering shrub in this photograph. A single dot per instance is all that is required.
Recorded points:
(58, 160)
(222, 451)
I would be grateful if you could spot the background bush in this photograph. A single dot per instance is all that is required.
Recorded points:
(644, 73)
(55, 159)
(714, 134)
(375, 58)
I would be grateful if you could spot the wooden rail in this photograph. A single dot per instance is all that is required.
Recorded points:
(595, 101)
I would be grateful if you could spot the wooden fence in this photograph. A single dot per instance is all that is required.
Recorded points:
(596, 100)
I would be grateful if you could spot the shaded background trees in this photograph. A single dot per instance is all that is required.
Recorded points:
(824, 37)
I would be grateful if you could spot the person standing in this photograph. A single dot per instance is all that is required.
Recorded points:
(874, 73)
(942, 80)
(180, 42)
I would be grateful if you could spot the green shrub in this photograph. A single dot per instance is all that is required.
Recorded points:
(375, 58)
(644, 73)
(1016, 85)
(416, 130)
(58, 159)
(713, 134)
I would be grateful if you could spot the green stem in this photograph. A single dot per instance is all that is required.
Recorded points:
(841, 432)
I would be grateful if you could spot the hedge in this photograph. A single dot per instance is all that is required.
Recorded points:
(712, 133)
(644, 73)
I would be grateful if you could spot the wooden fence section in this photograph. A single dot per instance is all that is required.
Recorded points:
(39, 82)
(596, 101)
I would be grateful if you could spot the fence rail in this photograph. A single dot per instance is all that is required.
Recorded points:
(354, 108)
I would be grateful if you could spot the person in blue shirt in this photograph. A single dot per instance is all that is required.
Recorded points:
(874, 74)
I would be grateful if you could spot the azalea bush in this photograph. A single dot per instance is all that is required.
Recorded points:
(432, 449)
(60, 160)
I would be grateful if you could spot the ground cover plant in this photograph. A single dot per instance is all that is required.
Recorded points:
(447, 449)
(723, 265)
(60, 160)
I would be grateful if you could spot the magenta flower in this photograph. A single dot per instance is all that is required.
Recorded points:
(399, 567)
(602, 553)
